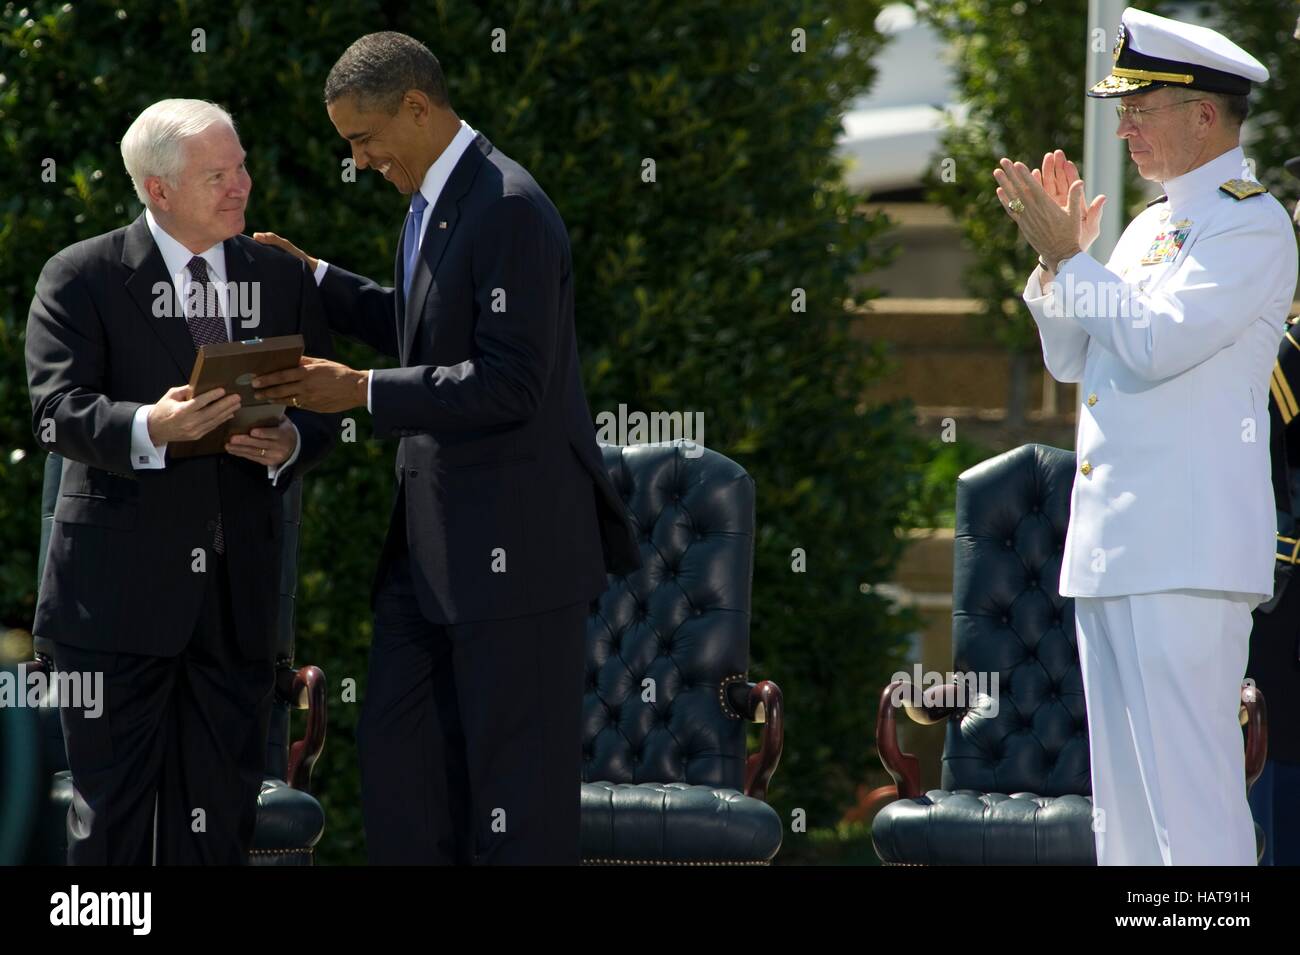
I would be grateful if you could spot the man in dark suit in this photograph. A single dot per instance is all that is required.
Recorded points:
(1274, 662)
(505, 522)
(162, 575)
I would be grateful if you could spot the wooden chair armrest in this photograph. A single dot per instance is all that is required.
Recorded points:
(759, 703)
(1254, 717)
(303, 688)
(931, 705)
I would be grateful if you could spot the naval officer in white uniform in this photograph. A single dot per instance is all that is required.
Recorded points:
(1171, 536)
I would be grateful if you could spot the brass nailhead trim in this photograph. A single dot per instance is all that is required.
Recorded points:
(662, 862)
(722, 694)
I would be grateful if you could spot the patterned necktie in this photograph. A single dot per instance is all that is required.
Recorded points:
(411, 241)
(207, 327)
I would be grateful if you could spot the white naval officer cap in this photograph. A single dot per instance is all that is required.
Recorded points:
(1151, 52)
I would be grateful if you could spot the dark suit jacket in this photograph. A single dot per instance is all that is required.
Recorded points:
(503, 498)
(119, 571)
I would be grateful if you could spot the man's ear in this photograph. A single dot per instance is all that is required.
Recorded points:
(158, 191)
(1215, 116)
(419, 104)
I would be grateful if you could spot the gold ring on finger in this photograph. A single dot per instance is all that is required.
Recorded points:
(1016, 206)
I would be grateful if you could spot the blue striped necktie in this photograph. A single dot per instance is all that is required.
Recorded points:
(411, 241)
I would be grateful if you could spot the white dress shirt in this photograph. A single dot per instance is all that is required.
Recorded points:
(145, 455)
(435, 180)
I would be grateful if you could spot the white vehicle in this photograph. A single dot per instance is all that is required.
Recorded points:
(892, 133)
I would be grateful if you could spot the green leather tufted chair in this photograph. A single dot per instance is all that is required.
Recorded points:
(1016, 786)
(666, 779)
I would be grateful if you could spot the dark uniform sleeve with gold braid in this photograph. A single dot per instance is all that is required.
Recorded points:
(1284, 417)
(1274, 639)
(1285, 384)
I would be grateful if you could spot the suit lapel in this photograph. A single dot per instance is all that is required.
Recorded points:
(399, 272)
(437, 235)
(243, 276)
(140, 255)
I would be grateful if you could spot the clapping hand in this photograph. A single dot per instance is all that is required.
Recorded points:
(1056, 177)
(1052, 228)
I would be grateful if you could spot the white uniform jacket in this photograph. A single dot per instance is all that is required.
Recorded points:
(1173, 342)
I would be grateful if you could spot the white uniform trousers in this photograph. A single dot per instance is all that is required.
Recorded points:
(1162, 676)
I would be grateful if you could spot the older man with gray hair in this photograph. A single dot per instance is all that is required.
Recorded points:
(163, 573)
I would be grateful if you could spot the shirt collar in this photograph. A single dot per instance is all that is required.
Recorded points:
(1206, 177)
(436, 178)
(176, 257)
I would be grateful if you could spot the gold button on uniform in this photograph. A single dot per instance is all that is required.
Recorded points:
(1092, 399)
(1086, 468)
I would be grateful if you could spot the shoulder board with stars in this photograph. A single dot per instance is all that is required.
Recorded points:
(1242, 188)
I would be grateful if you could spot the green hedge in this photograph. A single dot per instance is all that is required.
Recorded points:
(1266, 29)
(684, 285)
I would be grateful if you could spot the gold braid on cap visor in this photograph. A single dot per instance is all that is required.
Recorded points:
(1152, 75)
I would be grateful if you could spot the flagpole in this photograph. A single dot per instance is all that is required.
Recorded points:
(1103, 151)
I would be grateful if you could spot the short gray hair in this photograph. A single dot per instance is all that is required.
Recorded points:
(152, 144)
(1234, 107)
(380, 67)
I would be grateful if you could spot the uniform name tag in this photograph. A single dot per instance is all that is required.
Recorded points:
(1166, 246)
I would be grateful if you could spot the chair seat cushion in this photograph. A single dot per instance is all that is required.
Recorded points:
(676, 823)
(287, 818)
(965, 827)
